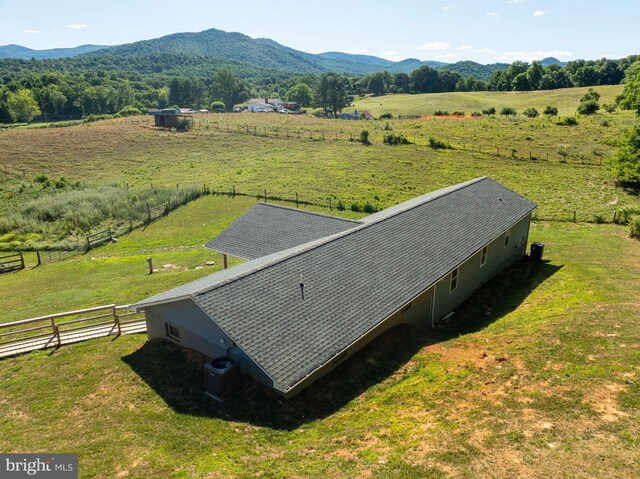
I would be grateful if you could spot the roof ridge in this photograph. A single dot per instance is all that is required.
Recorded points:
(323, 215)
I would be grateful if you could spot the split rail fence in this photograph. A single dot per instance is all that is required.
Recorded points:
(11, 262)
(55, 330)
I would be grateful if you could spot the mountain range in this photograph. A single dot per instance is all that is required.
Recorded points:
(237, 49)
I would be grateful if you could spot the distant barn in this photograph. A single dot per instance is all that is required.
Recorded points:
(179, 118)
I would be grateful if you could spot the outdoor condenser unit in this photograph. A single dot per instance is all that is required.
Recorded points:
(222, 377)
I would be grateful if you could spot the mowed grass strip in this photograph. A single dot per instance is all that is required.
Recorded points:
(537, 375)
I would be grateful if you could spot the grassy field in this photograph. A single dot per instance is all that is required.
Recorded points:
(558, 167)
(537, 376)
(565, 99)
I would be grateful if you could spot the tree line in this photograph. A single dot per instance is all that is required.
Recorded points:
(27, 94)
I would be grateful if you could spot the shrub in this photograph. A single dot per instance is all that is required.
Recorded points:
(567, 121)
(369, 208)
(129, 111)
(364, 137)
(438, 144)
(550, 110)
(457, 113)
(609, 108)
(217, 105)
(508, 111)
(623, 215)
(440, 113)
(398, 139)
(476, 114)
(386, 116)
(588, 107)
(604, 122)
(598, 218)
(489, 111)
(387, 126)
(530, 112)
(340, 206)
(356, 207)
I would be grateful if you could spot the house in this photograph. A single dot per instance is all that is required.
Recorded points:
(266, 104)
(357, 115)
(294, 315)
(173, 117)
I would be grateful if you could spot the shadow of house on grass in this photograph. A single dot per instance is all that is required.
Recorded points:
(177, 374)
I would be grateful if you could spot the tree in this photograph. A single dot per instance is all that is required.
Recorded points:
(551, 110)
(508, 111)
(589, 103)
(401, 81)
(521, 82)
(534, 75)
(530, 112)
(630, 98)
(51, 100)
(228, 88)
(378, 83)
(22, 106)
(300, 93)
(216, 105)
(625, 163)
(425, 80)
(332, 93)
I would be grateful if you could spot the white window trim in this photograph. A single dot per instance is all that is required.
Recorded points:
(484, 253)
(454, 276)
(167, 330)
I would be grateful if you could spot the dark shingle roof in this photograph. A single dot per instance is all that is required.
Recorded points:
(267, 229)
(353, 280)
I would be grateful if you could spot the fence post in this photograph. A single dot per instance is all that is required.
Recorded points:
(21, 260)
(330, 208)
(148, 213)
(56, 331)
(40, 261)
(296, 200)
(615, 213)
(574, 216)
(116, 320)
(150, 264)
(233, 191)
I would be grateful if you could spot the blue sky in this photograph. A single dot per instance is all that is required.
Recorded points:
(483, 30)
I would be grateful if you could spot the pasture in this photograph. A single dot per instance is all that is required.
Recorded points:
(536, 375)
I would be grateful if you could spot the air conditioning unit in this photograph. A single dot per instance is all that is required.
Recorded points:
(222, 377)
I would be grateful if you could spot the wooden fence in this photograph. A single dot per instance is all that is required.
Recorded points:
(11, 262)
(99, 238)
(54, 330)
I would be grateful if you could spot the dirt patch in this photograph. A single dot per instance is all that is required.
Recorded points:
(604, 400)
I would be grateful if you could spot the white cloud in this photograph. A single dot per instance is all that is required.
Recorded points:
(390, 55)
(492, 14)
(36, 32)
(531, 56)
(539, 13)
(466, 47)
(485, 50)
(447, 8)
(448, 56)
(433, 46)
(77, 26)
(364, 51)
(515, 1)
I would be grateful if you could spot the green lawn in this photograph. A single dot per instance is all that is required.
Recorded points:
(565, 99)
(536, 376)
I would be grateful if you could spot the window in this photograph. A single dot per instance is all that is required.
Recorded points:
(454, 280)
(483, 256)
(507, 237)
(171, 331)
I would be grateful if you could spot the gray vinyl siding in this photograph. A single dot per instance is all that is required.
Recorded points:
(197, 330)
(471, 275)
